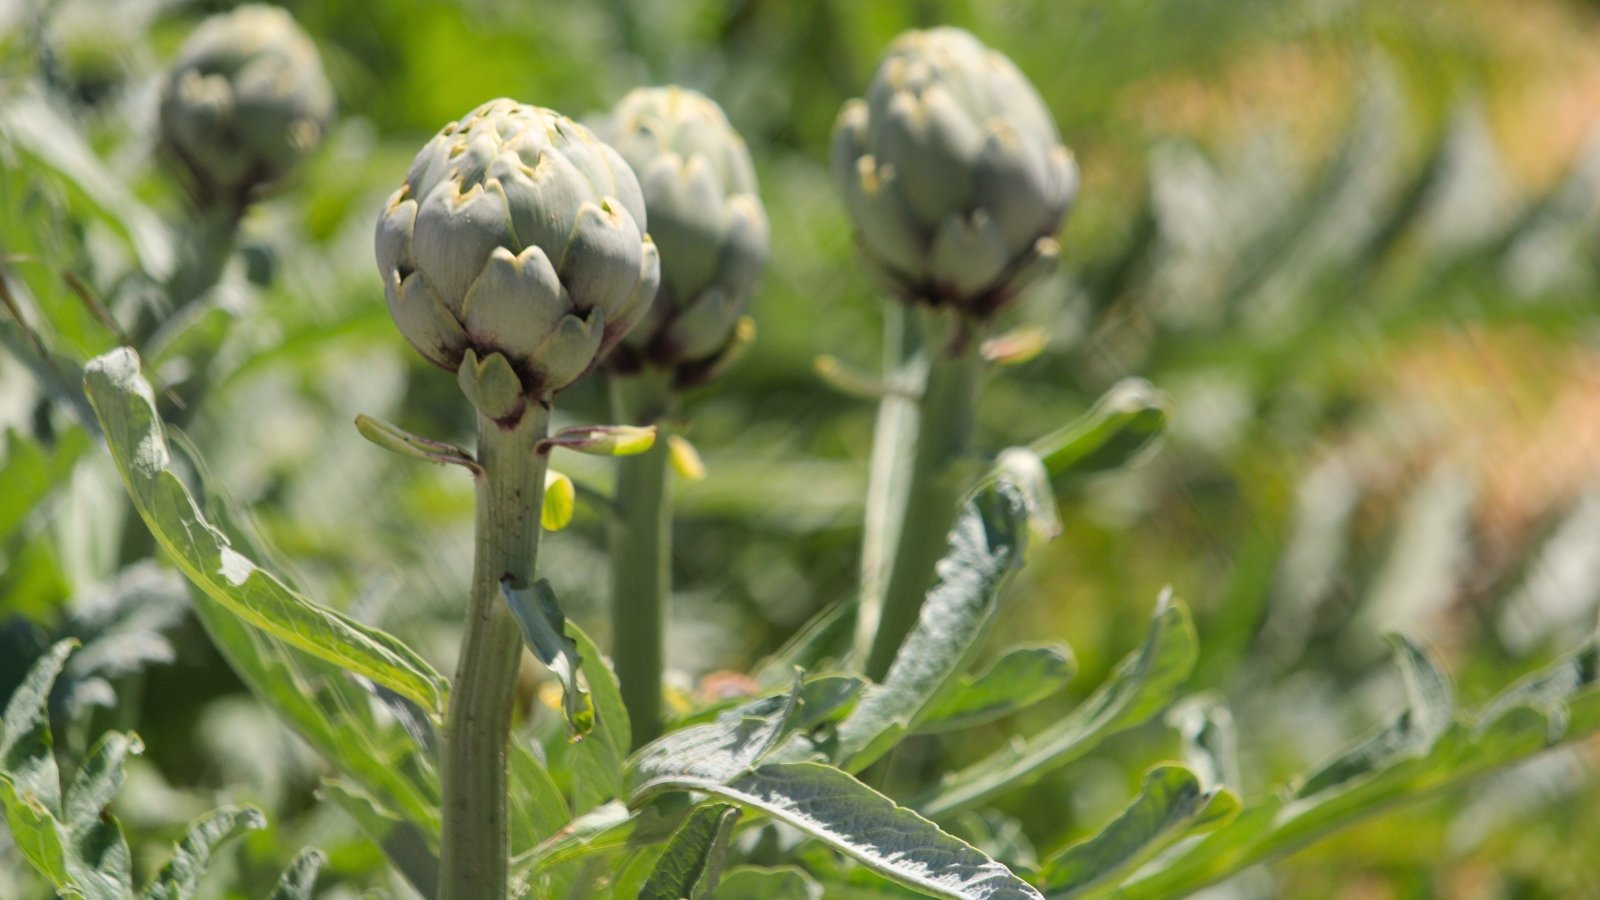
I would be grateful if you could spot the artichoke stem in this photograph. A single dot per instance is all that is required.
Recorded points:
(474, 845)
(940, 473)
(205, 245)
(893, 436)
(641, 551)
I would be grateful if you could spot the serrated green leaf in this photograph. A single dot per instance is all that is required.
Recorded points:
(776, 883)
(692, 864)
(1172, 804)
(300, 879)
(409, 849)
(1019, 678)
(833, 807)
(1528, 717)
(27, 756)
(985, 550)
(1142, 685)
(124, 404)
(543, 630)
(597, 760)
(38, 835)
(720, 750)
(1429, 712)
(180, 877)
(99, 860)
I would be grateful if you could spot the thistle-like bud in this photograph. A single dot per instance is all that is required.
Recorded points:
(700, 187)
(515, 253)
(244, 104)
(954, 173)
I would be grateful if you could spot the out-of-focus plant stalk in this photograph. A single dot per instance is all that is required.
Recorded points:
(940, 472)
(641, 550)
(893, 436)
(474, 844)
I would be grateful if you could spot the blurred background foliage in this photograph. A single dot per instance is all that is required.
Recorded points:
(1355, 242)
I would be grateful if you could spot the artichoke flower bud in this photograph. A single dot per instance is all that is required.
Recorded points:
(700, 186)
(515, 253)
(953, 172)
(244, 104)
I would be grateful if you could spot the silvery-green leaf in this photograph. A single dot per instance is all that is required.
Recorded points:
(1143, 684)
(831, 806)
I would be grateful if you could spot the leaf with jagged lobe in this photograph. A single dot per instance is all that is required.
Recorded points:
(300, 878)
(692, 864)
(1142, 685)
(1172, 804)
(1019, 678)
(985, 550)
(180, 877)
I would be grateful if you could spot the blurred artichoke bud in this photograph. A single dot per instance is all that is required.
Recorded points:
(245, 103)
(700, 187)
(953, 172)
(518, 235)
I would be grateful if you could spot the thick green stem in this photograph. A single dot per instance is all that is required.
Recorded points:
(473, 844)
(641, 552)
(893, 437)
(205, 246)
(939, 477)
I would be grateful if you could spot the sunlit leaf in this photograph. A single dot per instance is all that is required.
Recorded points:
(985, 550)
(692, 864)
(833, 807)
(180, 877)
(125, 406)
(1142, 685)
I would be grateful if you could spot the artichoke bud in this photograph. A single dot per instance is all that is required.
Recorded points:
(515, 253)
(244, 104)
(699, 184)
(953, 173)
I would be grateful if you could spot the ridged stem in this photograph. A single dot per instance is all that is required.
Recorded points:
(894, 434)
(473, 844)
(938, 479)
(641, 551)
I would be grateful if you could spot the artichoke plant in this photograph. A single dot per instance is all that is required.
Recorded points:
(700, 186)
(953, 172)
(244, 104)
(517, 233)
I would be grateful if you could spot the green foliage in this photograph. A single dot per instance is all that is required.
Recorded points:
(1141, 686)
(67, 835)
(1260, 286)
(126, 408)
(692, 864)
